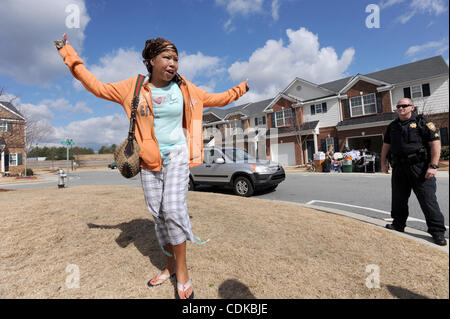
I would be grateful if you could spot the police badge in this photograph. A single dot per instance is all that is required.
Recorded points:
(431, 126)
(413, 125)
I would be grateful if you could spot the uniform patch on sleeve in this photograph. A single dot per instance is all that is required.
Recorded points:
(431, 126)
(436, 135)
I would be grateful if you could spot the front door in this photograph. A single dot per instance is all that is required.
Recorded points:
(310, 150)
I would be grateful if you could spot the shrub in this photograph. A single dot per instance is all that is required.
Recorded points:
(29, 172)
(444, 153)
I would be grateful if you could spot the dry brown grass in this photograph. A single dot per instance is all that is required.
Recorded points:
(257, 249)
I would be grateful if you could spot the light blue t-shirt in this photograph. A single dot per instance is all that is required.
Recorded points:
(168, 118)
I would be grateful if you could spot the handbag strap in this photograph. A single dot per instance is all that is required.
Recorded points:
(134, 105)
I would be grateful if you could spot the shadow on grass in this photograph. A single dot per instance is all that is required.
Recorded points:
(403, 293)
(141, 233)
(234, 289)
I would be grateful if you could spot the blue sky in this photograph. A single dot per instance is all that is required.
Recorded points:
(221, 43)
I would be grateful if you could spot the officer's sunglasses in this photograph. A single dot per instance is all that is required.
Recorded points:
(403, 105)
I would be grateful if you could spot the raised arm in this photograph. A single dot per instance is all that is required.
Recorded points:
(224, 98)
(115, 92)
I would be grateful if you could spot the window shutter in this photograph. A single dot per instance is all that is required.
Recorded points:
(426, 89)
(324, 107)
(323, 145)
(379, 103)
(313, 109)
(256, 121)
(264, 120)
(444, 136)
(336, 144)
(407, 92)
(272, 117)
(346, 108)
(19, 159)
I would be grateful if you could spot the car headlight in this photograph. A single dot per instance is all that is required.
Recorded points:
(261, 169)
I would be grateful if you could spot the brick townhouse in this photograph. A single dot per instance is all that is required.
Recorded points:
(352, 112)
(12, 140)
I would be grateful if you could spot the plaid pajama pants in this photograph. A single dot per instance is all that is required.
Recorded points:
(165, 194)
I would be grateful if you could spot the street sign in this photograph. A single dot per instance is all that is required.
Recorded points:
(68, 142)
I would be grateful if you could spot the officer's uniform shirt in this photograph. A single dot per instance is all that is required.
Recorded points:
(405, 136)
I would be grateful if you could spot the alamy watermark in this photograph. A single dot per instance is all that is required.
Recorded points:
(73, 279)
(373, 19)
(73, 19)
(373, 280)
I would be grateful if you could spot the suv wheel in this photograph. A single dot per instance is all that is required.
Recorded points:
(243, 187)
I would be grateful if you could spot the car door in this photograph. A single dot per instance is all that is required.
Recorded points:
(210, 172)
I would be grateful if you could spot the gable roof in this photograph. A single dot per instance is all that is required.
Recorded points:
(257, 107)
(422, 69)
(11, 109)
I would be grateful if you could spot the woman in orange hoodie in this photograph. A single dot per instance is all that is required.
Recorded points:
(169, 133)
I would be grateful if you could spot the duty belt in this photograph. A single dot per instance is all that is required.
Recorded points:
(409, 159)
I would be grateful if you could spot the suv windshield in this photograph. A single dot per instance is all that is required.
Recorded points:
(238, 155)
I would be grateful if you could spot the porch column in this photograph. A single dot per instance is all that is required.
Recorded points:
(316, 148)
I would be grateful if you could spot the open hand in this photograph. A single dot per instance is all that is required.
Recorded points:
(61, 43)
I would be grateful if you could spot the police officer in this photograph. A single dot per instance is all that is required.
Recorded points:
(415, 149)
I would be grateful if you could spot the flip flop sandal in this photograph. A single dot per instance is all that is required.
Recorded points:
(160, 276)
(183, 288)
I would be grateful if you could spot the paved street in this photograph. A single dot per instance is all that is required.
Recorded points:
(367, 194)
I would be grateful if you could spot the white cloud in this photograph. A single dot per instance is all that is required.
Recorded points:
(439, 47)
(194, 65)
(241, 7)
(275, 10)
(111, 129)
(271, 68)
(27, 31)
(389, 3)
(38, 112)
(432, 7)
(63, 105)
(246, 8)
(116, 66)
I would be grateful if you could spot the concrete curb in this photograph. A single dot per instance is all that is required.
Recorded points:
(439, 174)
(411, 233)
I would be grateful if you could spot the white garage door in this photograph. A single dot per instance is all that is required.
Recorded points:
(283, 153)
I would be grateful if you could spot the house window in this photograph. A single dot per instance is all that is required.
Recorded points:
(363, 105)
(416, 91)
(329, 142)
(318, 108)
(3, 127)
(260, 120)
(13, 159)
(234, 125)
(283, 118)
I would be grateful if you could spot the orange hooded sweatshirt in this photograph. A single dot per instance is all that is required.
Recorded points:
(122, 92)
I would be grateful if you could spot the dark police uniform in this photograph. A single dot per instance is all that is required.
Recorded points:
(410, 159)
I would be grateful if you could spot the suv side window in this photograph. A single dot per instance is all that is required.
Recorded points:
(211, 154)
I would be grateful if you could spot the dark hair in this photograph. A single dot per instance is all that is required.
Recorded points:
(155, 46)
